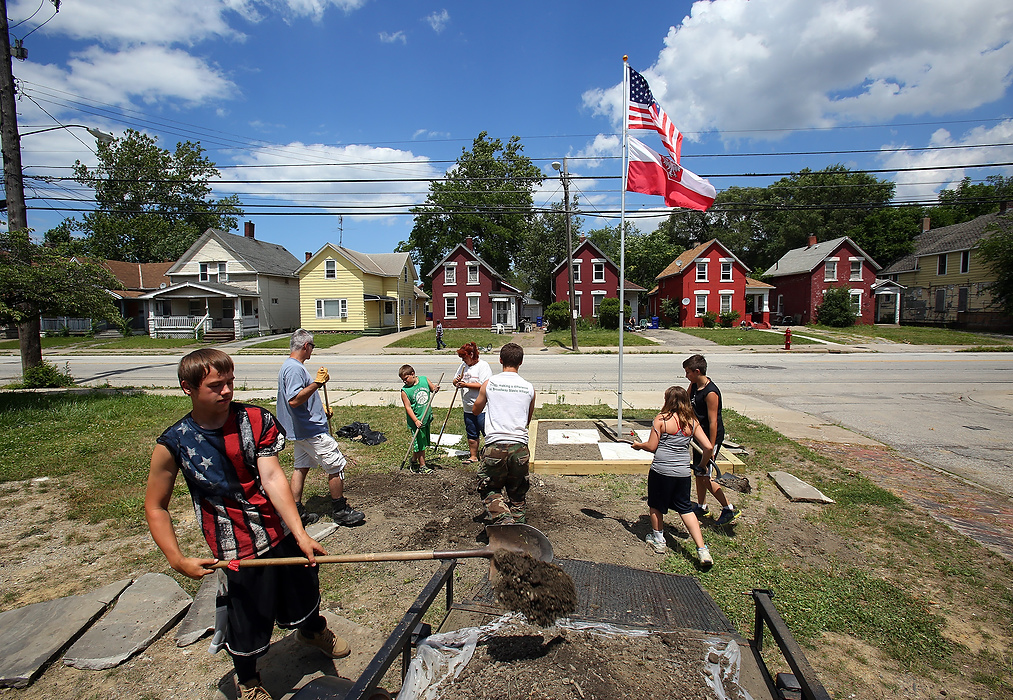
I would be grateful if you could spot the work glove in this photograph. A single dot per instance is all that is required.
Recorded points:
(328, 412)
(322, 376)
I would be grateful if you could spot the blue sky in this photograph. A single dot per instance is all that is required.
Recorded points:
(288, 90)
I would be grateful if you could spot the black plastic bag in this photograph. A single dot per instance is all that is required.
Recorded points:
(362, 432)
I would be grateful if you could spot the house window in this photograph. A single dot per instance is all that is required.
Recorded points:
(596, 303)
(449, 307)
(332, 308)
(965, 262)
(472, 274)
(830, 271)
(701, 271)
(701, 304)
(962, 296)
(248, 309)
(204, 272)
(597, 273)
(856, 302)
(576, 305)
(780, 304)
(330, 269)
(406, 274)
(196, 307)
(449, 274)
(941, 264)
(726, 272)
(856, 271)
(274, 300)
(576, 272)
(473, 307)
(940, 300)
(726, 303)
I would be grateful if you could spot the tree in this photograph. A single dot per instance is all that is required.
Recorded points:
(151, 204)
(544, 247)
(888, 234)
(647, 255)
(835, 310)
(608, 313)
(36, 280)
(488, 196)
(997, 252)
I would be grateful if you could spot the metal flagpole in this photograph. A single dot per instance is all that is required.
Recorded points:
(622, 247)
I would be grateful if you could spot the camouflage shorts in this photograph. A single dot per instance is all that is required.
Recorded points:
(504, 467)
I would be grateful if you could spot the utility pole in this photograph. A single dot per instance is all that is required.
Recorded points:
(30, 330)
(564, 175)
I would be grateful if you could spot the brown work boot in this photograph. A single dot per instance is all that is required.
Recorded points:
(326, 641)
(253, 690)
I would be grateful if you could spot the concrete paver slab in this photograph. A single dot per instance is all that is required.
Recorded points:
(145, 611)
(32, 636)
(200, 618)
(797, 490)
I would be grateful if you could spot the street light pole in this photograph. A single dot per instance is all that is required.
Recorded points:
(30, 331)
(564, 176)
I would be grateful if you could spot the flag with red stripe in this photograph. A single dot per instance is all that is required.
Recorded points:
(644, 112)
(650, 172)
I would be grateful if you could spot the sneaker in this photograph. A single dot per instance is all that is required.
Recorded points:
(659, 543)
(307, 517)
(253, 690)
(326, 641)
(705, 556)
(421, 469)
(701, 511)
(344, 514)
(728, 515)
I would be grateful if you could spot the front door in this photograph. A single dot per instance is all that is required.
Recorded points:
(501, 313)
(388, 314)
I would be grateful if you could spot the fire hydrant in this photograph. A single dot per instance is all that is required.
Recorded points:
(787, 339)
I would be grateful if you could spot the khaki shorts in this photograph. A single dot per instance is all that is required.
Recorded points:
(320, 451)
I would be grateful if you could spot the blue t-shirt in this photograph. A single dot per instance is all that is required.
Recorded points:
(307, 420)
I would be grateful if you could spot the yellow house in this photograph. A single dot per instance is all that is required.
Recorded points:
(944, 281)
(372, 293)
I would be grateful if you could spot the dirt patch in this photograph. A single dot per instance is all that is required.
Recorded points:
(540, 590)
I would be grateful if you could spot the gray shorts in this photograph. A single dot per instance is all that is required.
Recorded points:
(320, 451)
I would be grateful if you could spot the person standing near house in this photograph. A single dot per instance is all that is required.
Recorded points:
(471, 375)
(439, 336)
(706, 400)
(509, 400)
(303, 417)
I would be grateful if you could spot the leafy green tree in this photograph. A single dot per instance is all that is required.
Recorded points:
(36, 280)
(557, 315)
(835, 309)
(647, 255)
(997, 252)
(670, 309)
(608, 313)
(152, 204)
(544, 247)
(488, 196)
(888, 233)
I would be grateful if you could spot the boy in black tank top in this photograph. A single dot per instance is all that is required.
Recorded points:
(706, 400)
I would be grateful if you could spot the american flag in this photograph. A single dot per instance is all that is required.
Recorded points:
(646, 113)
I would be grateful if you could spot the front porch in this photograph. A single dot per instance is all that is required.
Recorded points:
(202, 310)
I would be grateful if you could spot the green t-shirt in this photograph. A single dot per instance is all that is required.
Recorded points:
(419, 397)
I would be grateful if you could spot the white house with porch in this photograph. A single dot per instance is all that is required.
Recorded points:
(227, 286)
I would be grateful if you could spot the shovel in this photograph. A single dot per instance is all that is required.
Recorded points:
(517, 537)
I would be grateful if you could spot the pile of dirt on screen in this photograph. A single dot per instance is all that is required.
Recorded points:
(523, 661)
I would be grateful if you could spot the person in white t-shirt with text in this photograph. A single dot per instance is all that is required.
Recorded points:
(509, 402)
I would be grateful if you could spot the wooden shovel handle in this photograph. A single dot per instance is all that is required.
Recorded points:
(352, 558)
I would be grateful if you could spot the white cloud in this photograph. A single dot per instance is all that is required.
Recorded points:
(326, 163)
(922, 185)
(438, 20)
(388, 38)
(430, 134)
(780, 64)
(603, 145)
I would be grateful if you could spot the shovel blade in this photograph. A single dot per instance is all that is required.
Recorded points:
(520, 538)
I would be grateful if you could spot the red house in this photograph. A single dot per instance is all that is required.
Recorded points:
(802, 275)
(708, 278)
(468, 293)
(595, 277)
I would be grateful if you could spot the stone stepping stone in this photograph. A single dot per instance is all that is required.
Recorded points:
(32, 636)
(797, 490)
(200, 619)
(143, 613)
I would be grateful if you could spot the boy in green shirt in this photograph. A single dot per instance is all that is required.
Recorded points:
(417, 397)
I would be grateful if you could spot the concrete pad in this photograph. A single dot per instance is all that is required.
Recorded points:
(797, 490)
(622, 451)
(200, 619)
(576, 436)
(143, 613)
(32, 636)
(322, 529)
(288, 665)
(450, 439)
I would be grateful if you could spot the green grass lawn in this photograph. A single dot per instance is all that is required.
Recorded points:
(454, 338)
(320, 340)
(913, 335)
(740, 336)
(594, 338)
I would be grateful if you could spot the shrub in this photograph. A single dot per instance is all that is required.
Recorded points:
(835, 311)
(608, 313)
(670, 311)
(557, 315)
(710, 319)
(46, 375)
(64, 331)
(123, 326)
(728, 318)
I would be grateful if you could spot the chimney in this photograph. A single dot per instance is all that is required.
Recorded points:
(308, 255)
(812, 239)
(469, 243)
(249, 230)
(582, 238)
(926, 224)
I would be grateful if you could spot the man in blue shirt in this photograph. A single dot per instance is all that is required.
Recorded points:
(304, 420)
